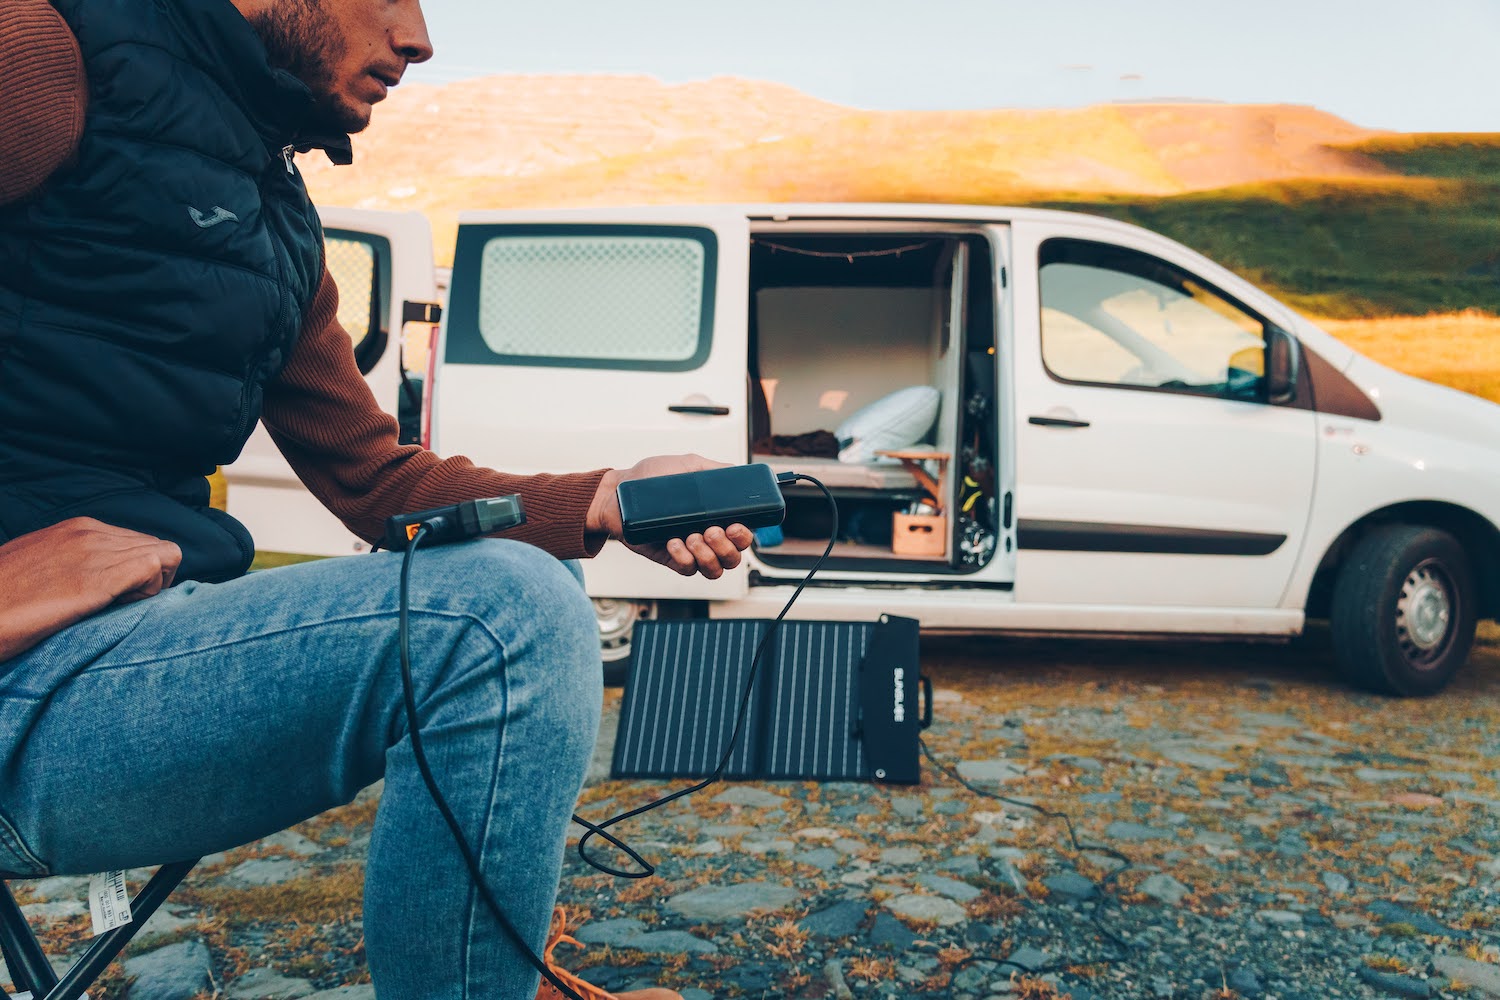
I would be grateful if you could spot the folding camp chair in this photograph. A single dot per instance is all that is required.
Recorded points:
(31, 972)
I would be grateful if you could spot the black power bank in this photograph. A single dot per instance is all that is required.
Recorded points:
(663, 507)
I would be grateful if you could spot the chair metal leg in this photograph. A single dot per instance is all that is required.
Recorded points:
(106, 946)
(28, 964)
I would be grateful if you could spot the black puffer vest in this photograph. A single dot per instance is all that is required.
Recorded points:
(153, 286)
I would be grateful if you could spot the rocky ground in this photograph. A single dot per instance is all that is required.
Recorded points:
(1285, 838)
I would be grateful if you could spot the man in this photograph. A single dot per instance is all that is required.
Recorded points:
(161, 287)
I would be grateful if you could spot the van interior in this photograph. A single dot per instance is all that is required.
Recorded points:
(872, 368)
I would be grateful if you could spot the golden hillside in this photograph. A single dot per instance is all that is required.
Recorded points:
(520, 141)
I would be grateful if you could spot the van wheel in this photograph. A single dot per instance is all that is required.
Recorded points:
(1404, 611)
(617, 618)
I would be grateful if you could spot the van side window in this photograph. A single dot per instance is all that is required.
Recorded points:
(1116, 317)
(360, 265)
(582, 296)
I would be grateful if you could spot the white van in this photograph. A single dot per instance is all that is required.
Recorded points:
(1096, 430)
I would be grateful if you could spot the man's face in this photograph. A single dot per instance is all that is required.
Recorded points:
(348, 52)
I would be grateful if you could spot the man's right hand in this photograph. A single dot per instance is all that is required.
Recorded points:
(62, 574)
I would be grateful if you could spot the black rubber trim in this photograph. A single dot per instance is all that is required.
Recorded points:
(1088, 536)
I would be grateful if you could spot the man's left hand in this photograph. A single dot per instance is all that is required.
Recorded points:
(710, 553)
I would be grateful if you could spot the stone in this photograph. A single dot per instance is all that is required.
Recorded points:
(907, 806)
(901, 856)
(1027, 959)
(1196, 758)
(961, 864)
(717, 903)
(362, 991)
(1336, 884)
(1135, 831)
(841, 920)
(821, 858)
(1100, 798)
(267, 984)
(1164, 889)
(1380, 774)
(744, 795)
(293, 843)
(163, 924)
(888, 932)
(59, 887)
(950, 888)
(1279, 917)
(176, 972)
(1415, 800)
(1396, 985)
(934, 909)
(267, 871)
(708, 847)
(1482, 977)
(1070, 885)
(611, 932)
(1245, 982)
(672, 943)
(991, 772)
(1390, 913)
(62, 909)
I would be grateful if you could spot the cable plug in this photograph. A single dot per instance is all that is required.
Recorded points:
(456, 522)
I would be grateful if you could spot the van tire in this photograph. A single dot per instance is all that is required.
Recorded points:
(1404, 611)
(615, 649)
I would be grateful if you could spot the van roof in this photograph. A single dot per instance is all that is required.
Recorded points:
(789, 211)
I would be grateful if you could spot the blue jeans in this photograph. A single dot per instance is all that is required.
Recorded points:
(212, 715)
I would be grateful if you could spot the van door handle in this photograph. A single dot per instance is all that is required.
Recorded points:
(707, 410)
(1057, 422)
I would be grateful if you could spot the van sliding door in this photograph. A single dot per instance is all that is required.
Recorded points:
(596, 342)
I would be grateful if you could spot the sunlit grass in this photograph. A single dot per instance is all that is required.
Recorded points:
(1460, 350)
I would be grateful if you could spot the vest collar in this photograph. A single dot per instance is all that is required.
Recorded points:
(227, 48)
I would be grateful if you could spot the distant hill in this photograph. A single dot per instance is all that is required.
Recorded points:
(534, 141)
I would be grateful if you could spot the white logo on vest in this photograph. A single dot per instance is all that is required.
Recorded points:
(209, 221)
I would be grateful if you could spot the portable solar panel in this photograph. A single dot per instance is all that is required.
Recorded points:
(833, 701)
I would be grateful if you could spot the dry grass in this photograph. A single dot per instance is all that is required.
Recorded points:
(1460, 350)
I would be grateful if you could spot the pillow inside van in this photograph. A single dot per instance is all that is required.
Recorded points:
(903, 418)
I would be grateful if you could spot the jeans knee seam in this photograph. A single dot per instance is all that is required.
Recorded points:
(364, 616)
(475, 899)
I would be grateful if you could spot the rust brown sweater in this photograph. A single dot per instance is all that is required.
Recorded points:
(320, 412)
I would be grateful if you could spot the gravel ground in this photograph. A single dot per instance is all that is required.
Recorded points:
(1285, 838)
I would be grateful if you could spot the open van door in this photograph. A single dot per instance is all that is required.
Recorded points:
(581, 340)
(381, 261)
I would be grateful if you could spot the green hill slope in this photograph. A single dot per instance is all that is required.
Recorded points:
(1425, 241)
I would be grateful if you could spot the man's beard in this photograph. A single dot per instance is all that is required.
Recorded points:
(301, 39)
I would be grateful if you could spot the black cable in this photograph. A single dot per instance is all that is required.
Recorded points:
(601, 830)
(414, 728)
(413, 725)
(1122, 946)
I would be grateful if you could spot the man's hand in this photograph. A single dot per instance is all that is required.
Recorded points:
(60, 575)
(710, 553)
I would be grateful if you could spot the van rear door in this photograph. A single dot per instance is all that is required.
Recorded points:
(576, 341)
(380, 262)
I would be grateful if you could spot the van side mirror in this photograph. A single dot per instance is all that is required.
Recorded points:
(1283, 360)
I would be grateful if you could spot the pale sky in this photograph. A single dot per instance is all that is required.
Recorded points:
(1412, 65)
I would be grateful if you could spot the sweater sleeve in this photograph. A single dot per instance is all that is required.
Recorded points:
(43, 95)
(344, 448)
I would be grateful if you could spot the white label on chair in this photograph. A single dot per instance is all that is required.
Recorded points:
(109, 902)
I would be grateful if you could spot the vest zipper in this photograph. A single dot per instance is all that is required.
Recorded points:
(287, 152)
